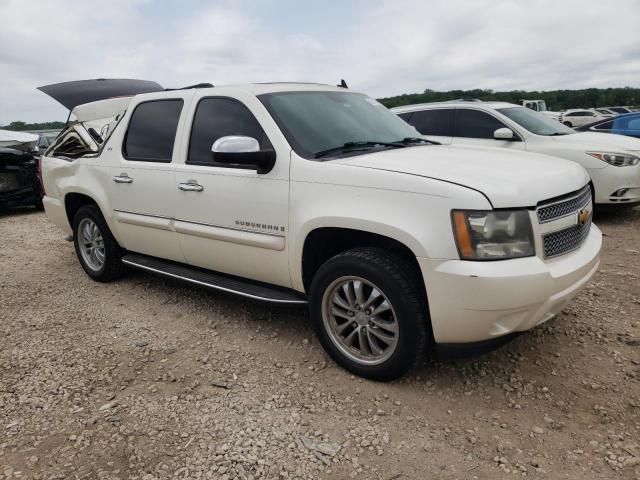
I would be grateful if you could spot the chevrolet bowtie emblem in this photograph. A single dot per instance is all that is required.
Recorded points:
(583, 216)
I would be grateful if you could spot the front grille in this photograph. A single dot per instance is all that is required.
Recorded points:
(564, 207)
(564, 241)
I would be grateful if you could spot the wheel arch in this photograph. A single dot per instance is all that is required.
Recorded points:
(323, 243)
(73, 201)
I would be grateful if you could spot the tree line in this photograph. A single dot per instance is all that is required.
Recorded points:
(555, 99)
(19, 126)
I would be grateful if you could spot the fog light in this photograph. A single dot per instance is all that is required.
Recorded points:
(620, 193)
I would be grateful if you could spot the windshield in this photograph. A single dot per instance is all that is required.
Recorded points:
(535, 122)
(316, 122)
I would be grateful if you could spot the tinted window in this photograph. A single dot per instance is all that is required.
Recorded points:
(152, 131)
(604, 126)
(219, 117)
(434, 122)
(619, 109)
(477, 124)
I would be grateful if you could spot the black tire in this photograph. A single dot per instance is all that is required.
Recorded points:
(400, 284)
(112, 268)
(567, 124)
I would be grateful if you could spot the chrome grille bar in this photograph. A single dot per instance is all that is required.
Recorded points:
(565, 207)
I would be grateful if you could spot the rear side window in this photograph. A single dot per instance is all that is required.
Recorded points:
(477, 124)
(434, 122)
(220, 117)
(152, 131)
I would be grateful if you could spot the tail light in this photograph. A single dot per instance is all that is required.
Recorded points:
(40, 175)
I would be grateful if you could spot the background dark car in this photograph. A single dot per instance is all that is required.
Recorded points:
(19, 180)
(625, 124)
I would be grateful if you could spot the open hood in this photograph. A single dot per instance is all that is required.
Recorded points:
(79, 92)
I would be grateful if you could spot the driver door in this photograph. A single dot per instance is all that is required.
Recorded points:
(230, 218)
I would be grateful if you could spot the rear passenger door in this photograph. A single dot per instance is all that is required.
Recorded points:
(142, 179)
(436, 124)
(476, 127)
(236, 220)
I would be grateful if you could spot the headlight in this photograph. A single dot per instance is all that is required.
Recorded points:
(616, 159)
(493, 235)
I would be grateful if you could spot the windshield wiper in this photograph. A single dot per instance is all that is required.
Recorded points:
(408, 140)
(559, 134)
(351, 146)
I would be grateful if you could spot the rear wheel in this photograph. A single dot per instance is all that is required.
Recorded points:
(369, 312)
(97, 250)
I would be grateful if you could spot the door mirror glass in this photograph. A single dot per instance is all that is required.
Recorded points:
(240, 150)
(503, 134)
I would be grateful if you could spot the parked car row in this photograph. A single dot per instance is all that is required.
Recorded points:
(576, 117)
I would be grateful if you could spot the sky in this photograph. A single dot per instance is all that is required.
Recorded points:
(380, 47)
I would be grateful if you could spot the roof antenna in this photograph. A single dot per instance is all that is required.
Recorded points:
(342, 84)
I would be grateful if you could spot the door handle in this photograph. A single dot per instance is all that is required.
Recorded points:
(190, 186)
(123, 178)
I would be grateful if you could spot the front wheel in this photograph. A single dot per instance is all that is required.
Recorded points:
(369, 312)
(568, 124)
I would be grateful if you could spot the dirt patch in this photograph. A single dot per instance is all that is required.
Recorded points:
(148, 379)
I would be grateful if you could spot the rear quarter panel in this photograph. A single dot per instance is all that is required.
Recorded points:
(87, 176)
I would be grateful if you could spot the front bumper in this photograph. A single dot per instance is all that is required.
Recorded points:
(616, 185)
(476, 301)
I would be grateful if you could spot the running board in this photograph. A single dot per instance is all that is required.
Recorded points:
(216, 281)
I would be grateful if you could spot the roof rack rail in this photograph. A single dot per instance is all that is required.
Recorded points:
(464, 100)
(197, 85)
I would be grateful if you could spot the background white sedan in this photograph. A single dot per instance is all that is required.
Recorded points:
(612, 161)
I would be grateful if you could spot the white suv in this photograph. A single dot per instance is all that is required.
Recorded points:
(611, 160)
(578, 117)
(302, 193)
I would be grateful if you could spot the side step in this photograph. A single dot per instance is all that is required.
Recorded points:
(217, 281)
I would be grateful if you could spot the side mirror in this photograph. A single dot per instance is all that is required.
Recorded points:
(240, 150)
(504, 134)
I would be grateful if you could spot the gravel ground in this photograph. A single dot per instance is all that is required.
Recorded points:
(151, 379)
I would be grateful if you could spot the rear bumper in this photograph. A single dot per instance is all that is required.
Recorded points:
(478, 301)
(57, 214)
